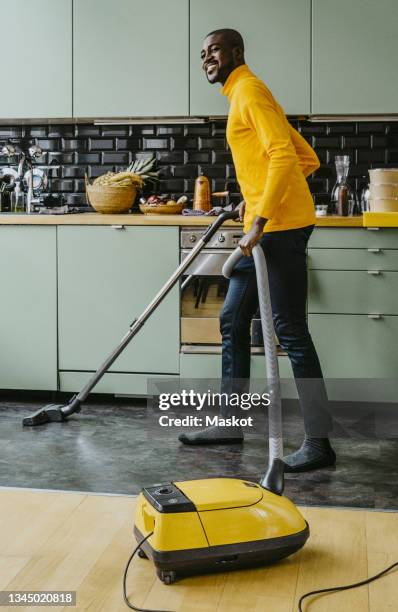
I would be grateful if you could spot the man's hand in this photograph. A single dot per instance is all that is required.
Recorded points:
(241, 209)
(250, 239)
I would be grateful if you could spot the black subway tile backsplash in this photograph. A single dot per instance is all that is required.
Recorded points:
(155, 143)
(184, 151)
(116, 158)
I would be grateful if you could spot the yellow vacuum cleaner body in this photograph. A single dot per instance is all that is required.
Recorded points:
(215, 524)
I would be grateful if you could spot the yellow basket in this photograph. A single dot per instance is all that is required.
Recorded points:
(110, 200)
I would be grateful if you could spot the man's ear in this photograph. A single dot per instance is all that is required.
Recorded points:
(238, 54)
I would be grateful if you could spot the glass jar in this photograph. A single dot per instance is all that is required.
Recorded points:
(18, 201)
(343, 198)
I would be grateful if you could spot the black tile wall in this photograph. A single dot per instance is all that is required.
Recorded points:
(185, 151)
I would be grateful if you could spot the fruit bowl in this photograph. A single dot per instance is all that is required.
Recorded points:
(162, 209)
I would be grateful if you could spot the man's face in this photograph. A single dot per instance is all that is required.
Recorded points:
(218, 59)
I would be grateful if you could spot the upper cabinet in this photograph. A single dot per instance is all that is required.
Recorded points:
(277, 41)
(355, 45)
(130, 58)
(36, 38)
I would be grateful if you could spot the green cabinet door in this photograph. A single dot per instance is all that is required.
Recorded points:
(106, 277)
(130, 58)
(277, 40)
(36, 40)
(356, 346)
(353, 292)
(28, 308)
(355, 44)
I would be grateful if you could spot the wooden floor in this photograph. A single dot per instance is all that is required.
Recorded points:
(71, 541)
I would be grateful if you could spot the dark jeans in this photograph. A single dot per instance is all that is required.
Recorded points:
(286, 258)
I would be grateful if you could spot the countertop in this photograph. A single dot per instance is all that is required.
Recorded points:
(139, 219)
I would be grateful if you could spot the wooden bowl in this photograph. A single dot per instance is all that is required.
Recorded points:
(162, 209)
(383, 175)
(383, 205)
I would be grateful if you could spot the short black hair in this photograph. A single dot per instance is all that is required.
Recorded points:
(233, 37)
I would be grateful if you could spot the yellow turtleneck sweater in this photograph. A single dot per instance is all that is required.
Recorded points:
(272, 160)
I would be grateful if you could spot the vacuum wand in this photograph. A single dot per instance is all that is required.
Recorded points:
(60, 412)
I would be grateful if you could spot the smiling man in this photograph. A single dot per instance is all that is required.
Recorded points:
(272, 161)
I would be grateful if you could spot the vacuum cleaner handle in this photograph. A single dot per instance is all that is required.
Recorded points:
(225, 216)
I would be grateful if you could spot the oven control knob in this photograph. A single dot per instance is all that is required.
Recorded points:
(192, 238)
(221, 238)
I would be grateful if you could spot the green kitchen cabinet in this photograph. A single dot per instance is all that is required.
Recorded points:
(354, 46)
(370, 259)
(356, 346)
(354, 238)
(353, 292)
(28, 313)
(107, 275)
(277, 48)
(130, 58)
(36, 40)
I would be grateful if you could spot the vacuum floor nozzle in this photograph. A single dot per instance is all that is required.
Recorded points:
(52, 413)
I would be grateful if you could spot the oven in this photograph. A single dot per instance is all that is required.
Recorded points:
(203, 291)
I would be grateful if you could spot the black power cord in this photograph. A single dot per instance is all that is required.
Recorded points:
(126, 600)
(346, 587)
(300, 607)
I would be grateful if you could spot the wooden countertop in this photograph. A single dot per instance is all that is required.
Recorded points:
(139, 219)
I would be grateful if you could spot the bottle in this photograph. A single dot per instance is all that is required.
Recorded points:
(343, 198)
(202, 195)
(17, 198)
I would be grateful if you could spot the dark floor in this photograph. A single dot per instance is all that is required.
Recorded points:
(118, 447)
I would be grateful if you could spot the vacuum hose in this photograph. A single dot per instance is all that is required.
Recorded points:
(276, 466)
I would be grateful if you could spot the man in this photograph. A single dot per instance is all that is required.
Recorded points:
(272, 161)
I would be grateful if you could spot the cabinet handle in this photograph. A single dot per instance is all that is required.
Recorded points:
(375, 316)
(374, 250)
(373, 229)
(374, 272)
(118, 227)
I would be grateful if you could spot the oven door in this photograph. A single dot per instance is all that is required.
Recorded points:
(202, 300)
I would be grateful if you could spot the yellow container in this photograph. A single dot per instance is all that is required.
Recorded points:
(383, 205)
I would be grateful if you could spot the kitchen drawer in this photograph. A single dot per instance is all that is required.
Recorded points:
(354, 238)
(354, 346)
(123, 384)
(209, 366)
(355, 292)
(353, 259)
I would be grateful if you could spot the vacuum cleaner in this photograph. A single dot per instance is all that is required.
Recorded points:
(219, 524)
(210, 524)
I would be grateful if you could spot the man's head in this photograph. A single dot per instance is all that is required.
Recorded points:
(222, 51)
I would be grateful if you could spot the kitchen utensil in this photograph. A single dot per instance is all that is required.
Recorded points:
(321, 210)
(383, 190)
(40, 180)
(202, 194)
(18, 201)
(343, 198)
(383, 175)
(162, 209)
(11, 173)
(110, 200)
(383, 205)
